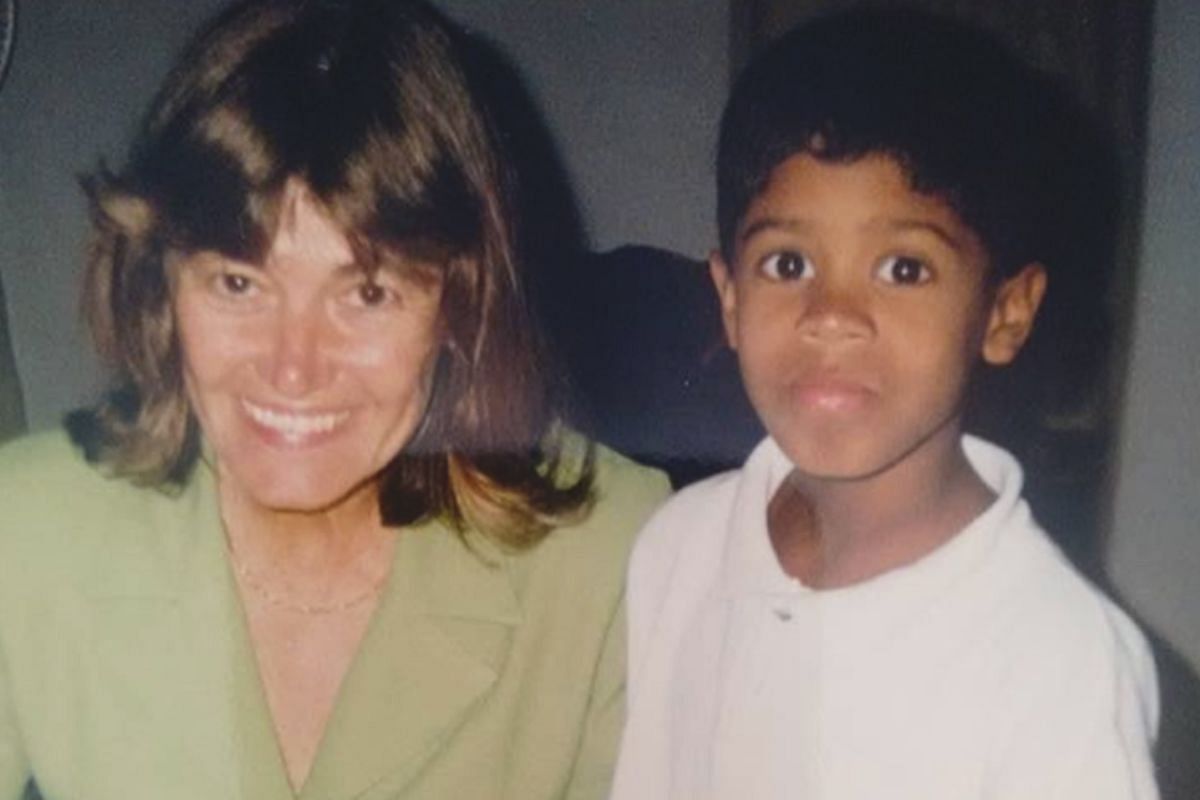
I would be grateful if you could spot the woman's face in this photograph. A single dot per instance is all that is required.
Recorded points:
(307, 376)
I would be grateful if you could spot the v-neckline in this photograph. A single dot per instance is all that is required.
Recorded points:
(258, 729)
(420, 666)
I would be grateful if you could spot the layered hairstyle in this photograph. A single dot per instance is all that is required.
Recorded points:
(371, 105)
(967, 122)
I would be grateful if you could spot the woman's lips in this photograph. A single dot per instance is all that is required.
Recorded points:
(294, 427)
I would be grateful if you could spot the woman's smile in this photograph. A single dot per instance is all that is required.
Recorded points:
(295, 428)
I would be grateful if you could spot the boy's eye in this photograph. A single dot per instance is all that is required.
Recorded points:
(903, 270)
(787, 266)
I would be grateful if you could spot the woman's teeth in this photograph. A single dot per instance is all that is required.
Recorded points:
(295, 425)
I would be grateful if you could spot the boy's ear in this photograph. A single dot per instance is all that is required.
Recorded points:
(1014, 307)
(722, 278)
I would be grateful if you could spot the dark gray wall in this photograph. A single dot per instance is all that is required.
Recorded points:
(82, 73)
(1155, 554)
(632, 92)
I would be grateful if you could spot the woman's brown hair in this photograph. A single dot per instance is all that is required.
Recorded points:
(368, 102)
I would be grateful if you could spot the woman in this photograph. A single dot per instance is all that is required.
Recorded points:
(326, 539)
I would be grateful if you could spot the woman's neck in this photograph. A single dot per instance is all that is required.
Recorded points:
(310, 584)
(312, 559)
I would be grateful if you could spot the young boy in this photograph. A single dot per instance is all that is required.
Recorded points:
(867, 609)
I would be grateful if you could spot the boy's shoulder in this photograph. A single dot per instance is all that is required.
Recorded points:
(697, 512)
(1061, 611)
(690, 531)
(1051, 632)
(1071, 670)
(1044, 594)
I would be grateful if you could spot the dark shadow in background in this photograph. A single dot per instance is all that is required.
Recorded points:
(641, 329)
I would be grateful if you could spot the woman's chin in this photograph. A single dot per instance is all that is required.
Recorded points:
(298, 490)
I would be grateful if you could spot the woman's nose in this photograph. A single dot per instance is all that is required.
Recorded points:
(297, 363)
(835, 313)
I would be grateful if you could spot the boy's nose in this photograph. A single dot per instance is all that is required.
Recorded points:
(835, 314)
(297, 362)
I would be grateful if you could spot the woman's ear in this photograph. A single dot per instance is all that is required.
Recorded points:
(1010, 321)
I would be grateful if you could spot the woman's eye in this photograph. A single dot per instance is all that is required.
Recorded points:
(234, 283)
(371, 295)
(903, 270)
(787, 266)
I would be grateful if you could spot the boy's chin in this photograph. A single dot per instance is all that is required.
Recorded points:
(823, 457)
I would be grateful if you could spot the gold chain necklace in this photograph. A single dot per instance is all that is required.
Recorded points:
(260, 590)
(249, 580)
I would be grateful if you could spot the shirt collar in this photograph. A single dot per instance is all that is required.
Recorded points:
(749, 563)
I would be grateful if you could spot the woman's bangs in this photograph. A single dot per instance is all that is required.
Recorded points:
(217, 189)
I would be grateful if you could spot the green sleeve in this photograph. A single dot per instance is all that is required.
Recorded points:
(592, 774)
(14, 766)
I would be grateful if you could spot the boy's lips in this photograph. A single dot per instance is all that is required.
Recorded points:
(831, 394)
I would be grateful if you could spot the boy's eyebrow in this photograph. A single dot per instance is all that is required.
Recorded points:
(773, 223)
(906, 225)
(902, 225)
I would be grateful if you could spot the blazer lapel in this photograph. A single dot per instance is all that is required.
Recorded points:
(168, 636)
(432, 652)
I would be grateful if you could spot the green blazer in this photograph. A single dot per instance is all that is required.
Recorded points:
(126, 669)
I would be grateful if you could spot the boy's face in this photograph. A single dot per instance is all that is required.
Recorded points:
(858, 308)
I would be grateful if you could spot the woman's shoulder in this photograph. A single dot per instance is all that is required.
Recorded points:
(47, 464)
(38, 463)
(594, 548)
(625, 488)
(53, 500)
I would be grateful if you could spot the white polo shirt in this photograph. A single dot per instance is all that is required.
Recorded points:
(988, 669)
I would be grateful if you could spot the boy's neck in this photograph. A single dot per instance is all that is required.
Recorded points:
(835, 533)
